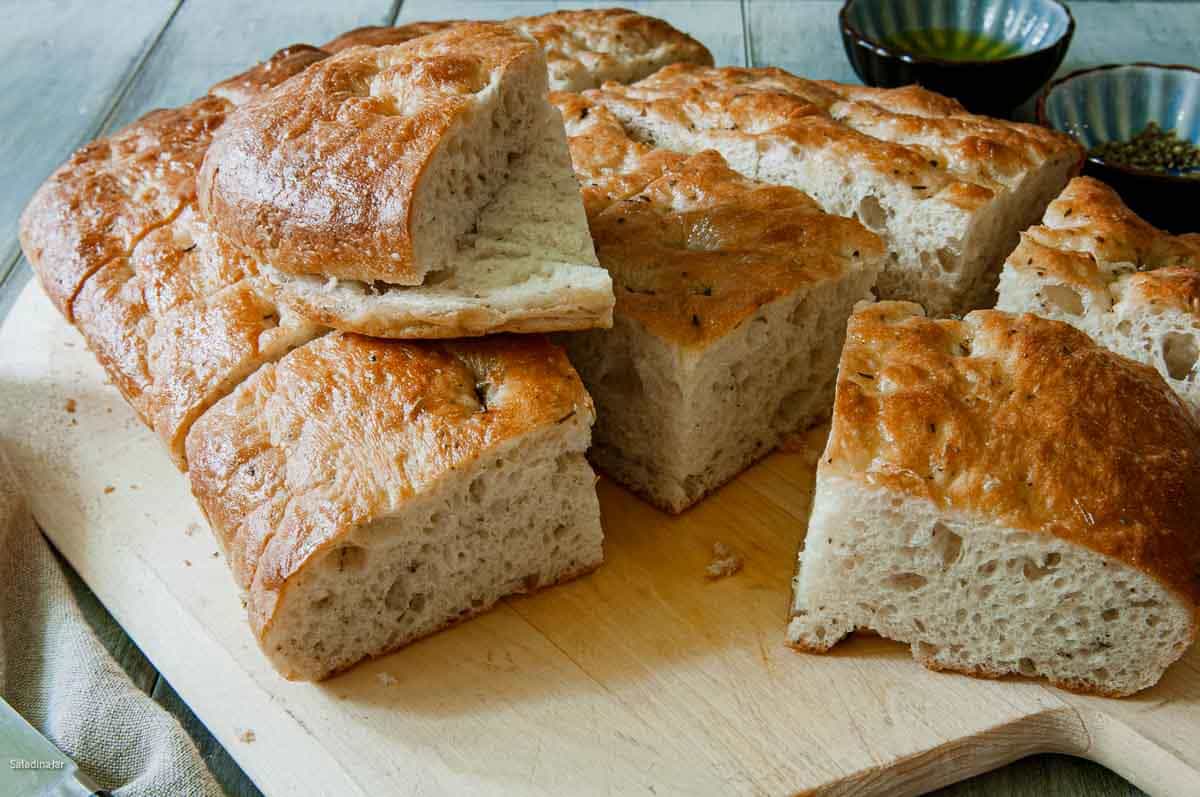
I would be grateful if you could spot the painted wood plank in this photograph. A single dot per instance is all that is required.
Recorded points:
(1107, 33)
(211, 40)
(716, 23)
(802, 38)
(64, 64)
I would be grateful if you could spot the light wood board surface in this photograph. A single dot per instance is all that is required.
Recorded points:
(75, 69)
(643, 678)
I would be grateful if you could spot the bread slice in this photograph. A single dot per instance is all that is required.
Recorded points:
(731, 304)
(368, 493)
(372, 164)
(436, 197)
(979, 500)
(584, 48)
(948, 191)
(1096, 265)
(527, 266)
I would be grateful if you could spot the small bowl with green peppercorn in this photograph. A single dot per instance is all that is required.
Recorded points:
(1140, 124)
(990, 55)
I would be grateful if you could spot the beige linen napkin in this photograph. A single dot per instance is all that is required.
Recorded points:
(58, 675)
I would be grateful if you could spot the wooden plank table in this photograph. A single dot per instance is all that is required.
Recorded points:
(80, 69)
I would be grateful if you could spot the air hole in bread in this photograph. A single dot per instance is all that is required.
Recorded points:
(872, 214)
(948, 260)
(1026, 667)
(1108, 615)
(350, 558)
(905, 582)
(625, 381)
(946, 544)
(396, 598)
(1062, 298)
(1180, 353)
(1033, 572)
(477, 490)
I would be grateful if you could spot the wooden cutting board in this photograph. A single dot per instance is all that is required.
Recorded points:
(642, 678)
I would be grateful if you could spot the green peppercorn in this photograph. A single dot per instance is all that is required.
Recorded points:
(1153, 149)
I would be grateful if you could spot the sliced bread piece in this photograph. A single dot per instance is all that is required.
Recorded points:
(584, 48)
(527, 266)
(1096, 265)
(1007, 497)
(436, 197)
(731, 305)
(948, 191)
(368, 493)
(373, 163)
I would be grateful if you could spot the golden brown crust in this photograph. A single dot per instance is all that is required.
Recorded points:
(693, 247)
(1089, 239)
(111, 193)
(609, 164)
(588, 47)
(263, 77)
(701, 249)
(319, 175)
(176, 325)
(1026, 421)
(383, 35)
(345, 430)
(583, 48)
(910, 134)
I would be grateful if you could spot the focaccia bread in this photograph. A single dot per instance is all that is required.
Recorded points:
(948, 191)
(584, 48)
(367, 493)
(435, 196)
(179, 318)
(732, 298)
(1007, 497)
(115, 240)
(1096, 265)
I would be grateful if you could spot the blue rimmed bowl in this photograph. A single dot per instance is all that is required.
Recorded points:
(1114, 103)
(990, 55)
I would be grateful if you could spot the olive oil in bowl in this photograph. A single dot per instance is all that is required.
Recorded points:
(950, 44)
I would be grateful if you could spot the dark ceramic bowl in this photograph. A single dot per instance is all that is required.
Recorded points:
(1116, 102)
(992, 55)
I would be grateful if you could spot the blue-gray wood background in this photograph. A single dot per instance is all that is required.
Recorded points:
(77, 69)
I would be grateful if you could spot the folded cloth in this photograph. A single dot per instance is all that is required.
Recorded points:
(55, 671)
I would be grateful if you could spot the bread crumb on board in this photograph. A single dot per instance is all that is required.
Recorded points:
(247, 736)
(191, 529)
(725, 562)
(70, 405)
(108, 489)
